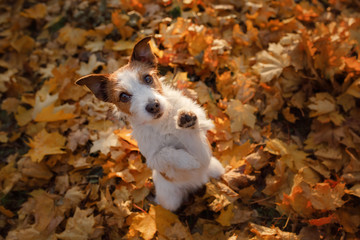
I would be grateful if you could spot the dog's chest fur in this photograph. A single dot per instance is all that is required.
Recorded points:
(153, 137)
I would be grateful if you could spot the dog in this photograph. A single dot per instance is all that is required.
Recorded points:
(169, 127)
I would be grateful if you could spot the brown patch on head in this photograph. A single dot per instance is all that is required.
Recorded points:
(143, 70)
(104, 87)
(114, 95)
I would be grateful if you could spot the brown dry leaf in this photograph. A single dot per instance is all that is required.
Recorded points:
(45, 143)
(326, 197)
(10, 104)
(72, 37)
(220, 195)
(349, 218)
(33, 169)
(23, 44)
(36, 12)
(236, 179)
(271, 64)
(23, 116)
(87, 68)
(271, 233)
(79, 137)
(9, 176)
(241, 115)
(107, 139)
(80, 226)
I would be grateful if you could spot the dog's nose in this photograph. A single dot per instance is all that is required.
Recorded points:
(153, 107)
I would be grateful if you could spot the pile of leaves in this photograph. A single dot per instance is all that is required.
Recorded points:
(280, 80)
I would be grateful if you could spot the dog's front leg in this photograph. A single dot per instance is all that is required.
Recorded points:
(170, 158)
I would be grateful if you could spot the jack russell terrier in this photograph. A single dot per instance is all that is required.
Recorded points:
(169, 127)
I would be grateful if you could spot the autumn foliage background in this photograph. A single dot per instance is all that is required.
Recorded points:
(280, 79)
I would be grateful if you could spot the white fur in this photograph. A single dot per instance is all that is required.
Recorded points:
(182, 154)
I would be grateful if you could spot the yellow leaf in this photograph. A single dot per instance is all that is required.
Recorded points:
(36, 12)
(123, 45)
(145, 224)
(45, 143)
(45, 110)
(226, 215)
(240, 115)
(52, 113)
(168, 224)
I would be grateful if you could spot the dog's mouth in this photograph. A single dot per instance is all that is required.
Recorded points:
(158, 115)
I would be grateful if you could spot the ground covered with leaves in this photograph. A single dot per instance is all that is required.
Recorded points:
(280, 79)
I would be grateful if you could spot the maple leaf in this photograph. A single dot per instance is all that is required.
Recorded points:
(45, 110)
(269, 65)
(72, 37)
(80, 226)
(107, 139)
(240, 115)
(168, 224)
(143, 223)
(45, 143)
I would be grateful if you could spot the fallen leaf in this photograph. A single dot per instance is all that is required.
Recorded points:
(36, 12)
(241, 115)
(45, 143)
(80, 226)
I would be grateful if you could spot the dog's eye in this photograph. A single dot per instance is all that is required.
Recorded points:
(148, 79)
(124, 97)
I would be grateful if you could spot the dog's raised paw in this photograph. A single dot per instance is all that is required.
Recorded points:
(186, 119)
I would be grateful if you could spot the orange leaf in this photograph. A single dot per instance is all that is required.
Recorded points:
(352, 63)
(52, 113)
(322, 221)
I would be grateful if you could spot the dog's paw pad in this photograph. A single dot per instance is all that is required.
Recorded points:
(187, 119)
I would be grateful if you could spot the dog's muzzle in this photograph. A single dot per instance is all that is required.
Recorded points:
(153, 108)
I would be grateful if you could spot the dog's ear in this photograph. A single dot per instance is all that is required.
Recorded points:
(142, 52)
(97, 83)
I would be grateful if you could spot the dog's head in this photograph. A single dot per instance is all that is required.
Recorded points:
(134, 88)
